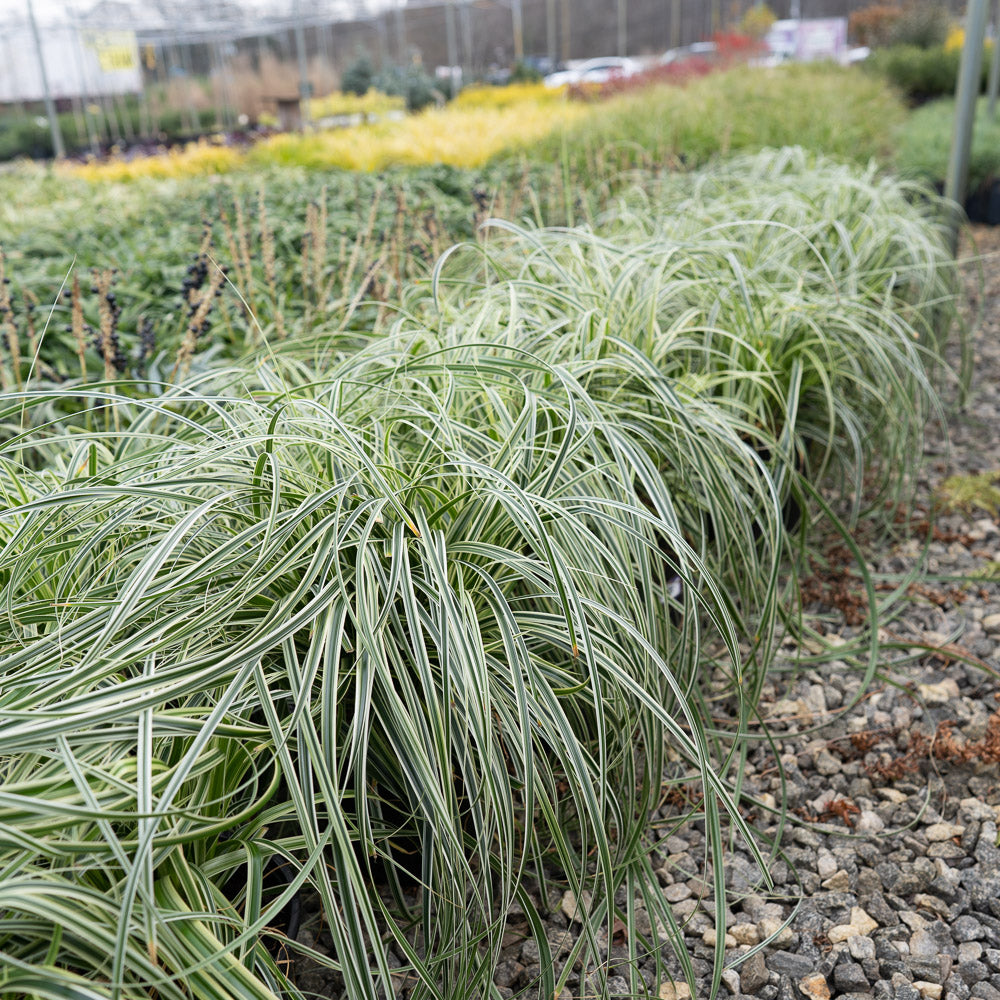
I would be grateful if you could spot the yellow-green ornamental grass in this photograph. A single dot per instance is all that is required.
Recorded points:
(826, 109)
(480, 124)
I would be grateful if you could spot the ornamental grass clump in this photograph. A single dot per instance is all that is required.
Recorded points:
(412, 634)
(804, 298)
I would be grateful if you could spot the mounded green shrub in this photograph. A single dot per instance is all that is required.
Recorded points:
(921, 74)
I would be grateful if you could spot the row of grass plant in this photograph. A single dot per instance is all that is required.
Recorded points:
(412, 623)
(838, 111)
(302, 246)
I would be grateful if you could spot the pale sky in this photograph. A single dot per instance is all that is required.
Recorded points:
(55, 11)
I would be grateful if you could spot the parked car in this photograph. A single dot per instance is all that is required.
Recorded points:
(598, 70)
(697, 50)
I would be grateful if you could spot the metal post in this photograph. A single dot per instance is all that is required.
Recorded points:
(404, 54)
(518, 23)
(622, 29)
(966, 92)
(300, 48)
(675, 24)
(994, 81)
(381, 42)
(470, 56)
(567, 33)
(451, 40)
(550, 33)
(215, 64)
(184, 60)
(324, 44)
(50, 105)
(85, 93)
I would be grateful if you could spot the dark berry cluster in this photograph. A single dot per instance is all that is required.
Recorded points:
(194, 280)
(147, 343)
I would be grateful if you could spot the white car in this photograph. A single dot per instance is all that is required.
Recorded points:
(594, 71)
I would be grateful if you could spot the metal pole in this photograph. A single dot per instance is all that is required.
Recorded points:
(567, 33)
(622, 29)
(470, 56)
(85, 93)
(50, 105)
(518, 22)
(550, 32)
(966, 93)
(451, 39)
(404, 55)
(219, 97)
(300, 48)
(675, 24)
(186, 64)
(381, 43)
(324, 44)
(994, 81)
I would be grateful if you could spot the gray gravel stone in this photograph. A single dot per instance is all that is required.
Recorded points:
(954, 987)
(753, 974)
(789, 964)
(618, 986)
(849, 977)
(879, 909)
(923, 944)
(971, 972)
(967, 928)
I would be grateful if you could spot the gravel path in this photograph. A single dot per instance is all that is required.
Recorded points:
(889, 882)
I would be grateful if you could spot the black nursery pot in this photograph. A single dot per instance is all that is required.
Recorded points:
(983, 204)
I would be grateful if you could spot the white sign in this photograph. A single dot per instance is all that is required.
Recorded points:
(77, 63)
(808, 39)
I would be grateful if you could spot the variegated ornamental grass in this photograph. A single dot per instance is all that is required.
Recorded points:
(423, 615)
(806, 298)
(410, 607)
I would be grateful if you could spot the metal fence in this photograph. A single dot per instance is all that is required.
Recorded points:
(251, 54)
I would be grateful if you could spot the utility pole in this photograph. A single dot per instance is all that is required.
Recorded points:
(50, 106)
(966, 92)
